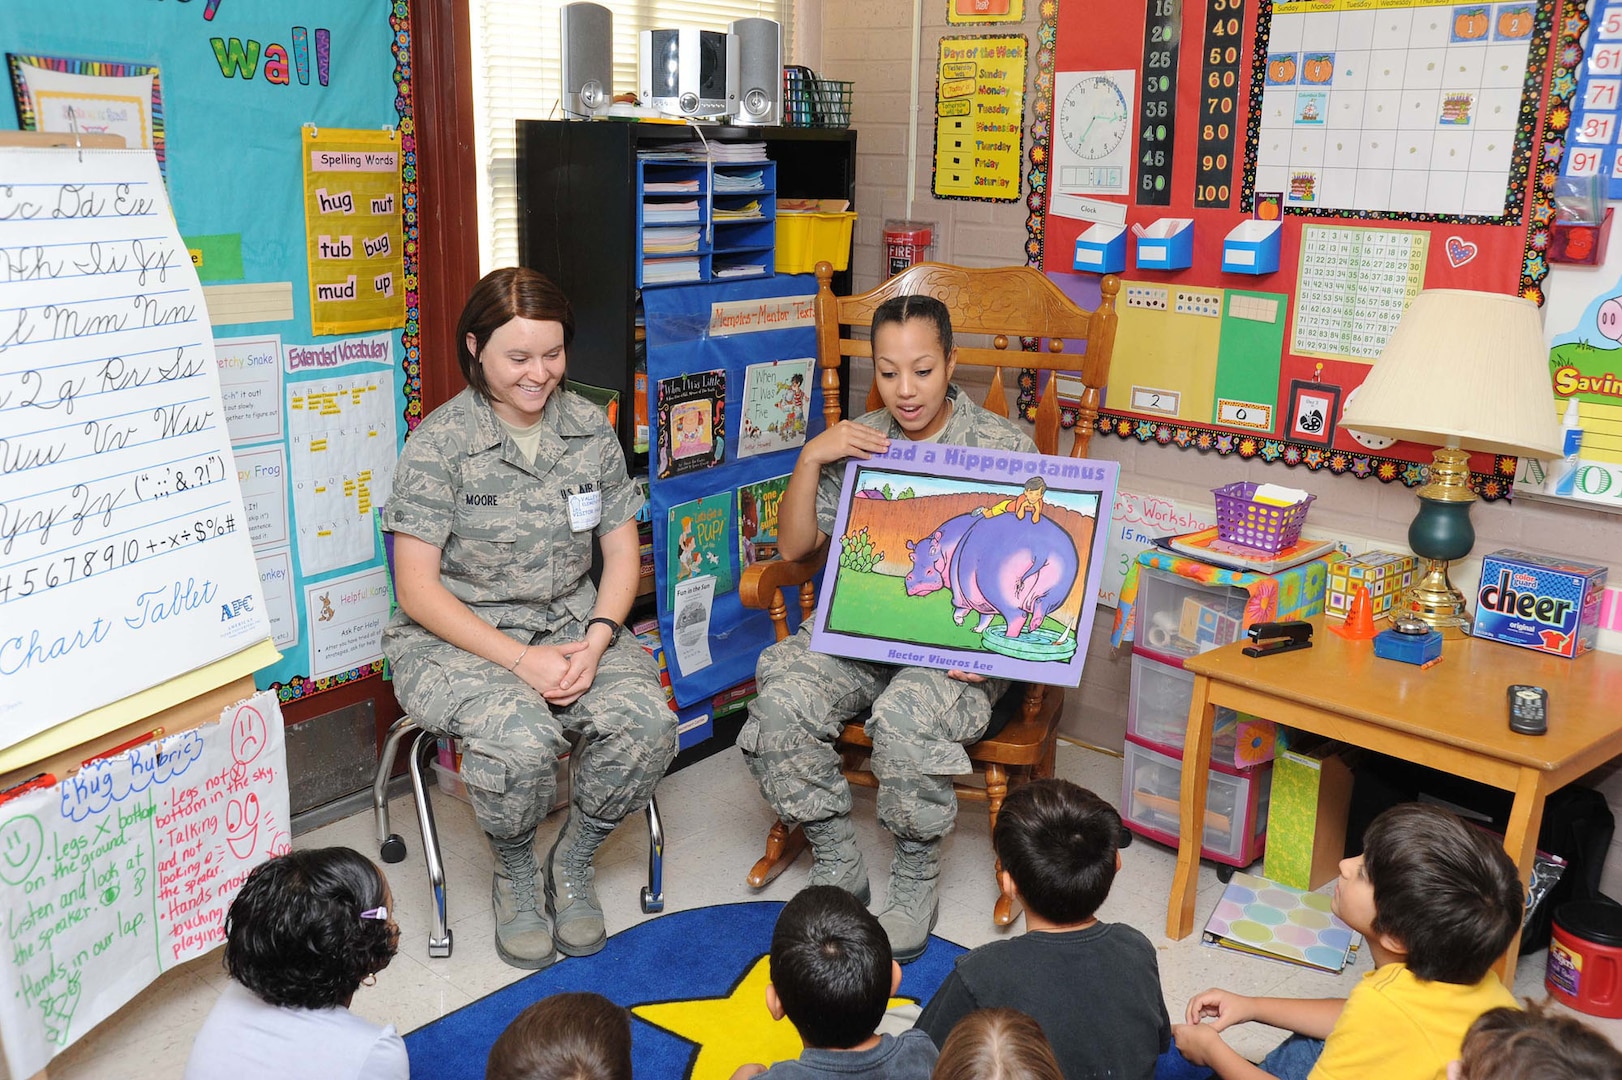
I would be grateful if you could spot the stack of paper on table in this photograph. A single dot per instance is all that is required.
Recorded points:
(1277, 922)
(670, 213)
(669, 241)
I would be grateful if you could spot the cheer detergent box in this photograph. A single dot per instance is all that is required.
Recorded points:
(1539, 603)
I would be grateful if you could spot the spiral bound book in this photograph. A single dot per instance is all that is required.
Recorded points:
(1278, 922)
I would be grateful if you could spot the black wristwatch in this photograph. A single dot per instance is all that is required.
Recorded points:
(613, 627)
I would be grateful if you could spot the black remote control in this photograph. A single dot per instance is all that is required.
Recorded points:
(1528, 709)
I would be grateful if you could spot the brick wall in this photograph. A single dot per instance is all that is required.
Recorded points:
(869, 41)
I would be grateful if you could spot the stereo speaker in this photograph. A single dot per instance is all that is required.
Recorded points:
(588, 59)
(760, 71)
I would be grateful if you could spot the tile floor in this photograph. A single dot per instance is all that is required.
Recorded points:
(714, 823)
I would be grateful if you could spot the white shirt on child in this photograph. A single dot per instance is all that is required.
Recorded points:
(245, 1038)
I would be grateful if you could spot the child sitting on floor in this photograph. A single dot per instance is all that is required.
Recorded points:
(1537, 1044)
(997, 1044)
(574, 1036)
(1438, 902)
(1094, 987)
(832, 976)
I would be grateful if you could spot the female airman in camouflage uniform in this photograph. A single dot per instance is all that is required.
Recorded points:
(501, 639)
(920, 718)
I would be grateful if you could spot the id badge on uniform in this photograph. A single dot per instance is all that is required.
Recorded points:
(585, 509)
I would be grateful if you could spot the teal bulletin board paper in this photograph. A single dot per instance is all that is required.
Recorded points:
(239, 79)
(1249, 355)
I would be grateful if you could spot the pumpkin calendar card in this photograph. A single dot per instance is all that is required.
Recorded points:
(967, 559)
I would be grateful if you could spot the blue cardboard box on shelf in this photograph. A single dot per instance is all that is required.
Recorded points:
(1101, 249)
(1251, 247)
(1168, 244)
(1538, 602)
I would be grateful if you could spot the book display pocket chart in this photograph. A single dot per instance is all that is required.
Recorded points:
(730, 366)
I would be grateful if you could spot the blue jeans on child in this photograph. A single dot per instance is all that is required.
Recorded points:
(1291, 1059)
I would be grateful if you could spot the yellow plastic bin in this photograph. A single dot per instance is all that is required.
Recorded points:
(805, 239)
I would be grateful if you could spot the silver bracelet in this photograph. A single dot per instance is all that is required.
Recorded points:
(520, 659)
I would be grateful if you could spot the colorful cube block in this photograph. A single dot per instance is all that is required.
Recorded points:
(1385, 574)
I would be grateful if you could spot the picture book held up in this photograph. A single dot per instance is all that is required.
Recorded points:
(967, 559)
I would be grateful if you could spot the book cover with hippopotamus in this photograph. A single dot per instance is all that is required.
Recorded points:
(954, 557)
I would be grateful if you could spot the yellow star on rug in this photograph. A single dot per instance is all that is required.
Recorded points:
(733, 1030)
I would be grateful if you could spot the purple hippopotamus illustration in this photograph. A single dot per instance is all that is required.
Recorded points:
(1020, 570)
(999, 565)
(933, 553)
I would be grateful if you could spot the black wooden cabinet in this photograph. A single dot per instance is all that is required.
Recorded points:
(577, 215)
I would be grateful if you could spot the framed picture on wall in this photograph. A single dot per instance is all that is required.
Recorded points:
(102, 97)
(1313, 408)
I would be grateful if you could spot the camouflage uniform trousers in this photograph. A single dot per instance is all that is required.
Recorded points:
(919, 722)
(511, 738)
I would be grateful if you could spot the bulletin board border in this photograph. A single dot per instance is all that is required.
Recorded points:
(301, 686)
(1549, 150)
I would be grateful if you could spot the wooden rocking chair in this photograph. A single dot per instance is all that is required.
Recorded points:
(1007, 303)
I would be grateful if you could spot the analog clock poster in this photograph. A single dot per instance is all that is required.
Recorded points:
(1093, 152)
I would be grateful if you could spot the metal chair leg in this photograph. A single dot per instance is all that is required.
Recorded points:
(439, 941)
(391, 848)
(653, 894)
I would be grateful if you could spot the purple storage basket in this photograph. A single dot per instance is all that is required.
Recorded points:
(1257, 525)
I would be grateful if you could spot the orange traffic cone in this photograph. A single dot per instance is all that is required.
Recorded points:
(1359, 625)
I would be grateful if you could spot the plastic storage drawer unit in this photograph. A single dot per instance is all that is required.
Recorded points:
(1180, 617)
(1235, 804)
(1157, 711)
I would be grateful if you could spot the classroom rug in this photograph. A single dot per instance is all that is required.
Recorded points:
(695, 982)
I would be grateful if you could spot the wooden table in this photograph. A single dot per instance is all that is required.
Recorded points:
(1452, 717)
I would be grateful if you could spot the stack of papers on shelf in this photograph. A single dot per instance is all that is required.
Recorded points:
(687, 151)
(669, 241)
(750, 209)
(722, 153)
(669, 271)
(670, 213)
(738, 270)
(671, 187)
(735, 182)
(1277, 922)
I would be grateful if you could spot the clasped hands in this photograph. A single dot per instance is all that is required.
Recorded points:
(561, 673)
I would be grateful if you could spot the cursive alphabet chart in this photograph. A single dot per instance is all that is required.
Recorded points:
(125, 557)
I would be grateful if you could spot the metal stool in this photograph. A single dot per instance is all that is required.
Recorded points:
(393, 849)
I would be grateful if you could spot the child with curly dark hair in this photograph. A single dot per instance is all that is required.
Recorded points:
(304, 933)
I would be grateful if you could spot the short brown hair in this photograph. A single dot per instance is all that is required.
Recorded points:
(575, 1036)
(1445, 890)
(514, 292)
(997, 1044)
(1538, 1044)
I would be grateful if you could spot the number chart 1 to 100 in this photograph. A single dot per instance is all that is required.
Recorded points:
(1595, 130)
(1157, 115)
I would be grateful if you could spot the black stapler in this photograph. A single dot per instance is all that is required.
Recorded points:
(1271, 638)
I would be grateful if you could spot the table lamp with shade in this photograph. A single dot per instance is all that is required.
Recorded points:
(1469, 370)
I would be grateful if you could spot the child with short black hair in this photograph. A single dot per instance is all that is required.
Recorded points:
(1094, 987)
(832, 976)
(1535, 1044)
(573, 1036)
(1438, 902)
